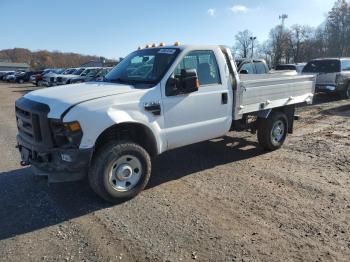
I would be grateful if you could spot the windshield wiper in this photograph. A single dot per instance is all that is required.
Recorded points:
(117, 80)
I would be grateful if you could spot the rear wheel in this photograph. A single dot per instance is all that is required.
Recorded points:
(119, 171)
(272, 132)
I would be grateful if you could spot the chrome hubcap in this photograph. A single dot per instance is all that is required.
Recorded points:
(125, 173)
(277, 131)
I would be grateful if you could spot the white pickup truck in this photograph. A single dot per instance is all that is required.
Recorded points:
(156, 99)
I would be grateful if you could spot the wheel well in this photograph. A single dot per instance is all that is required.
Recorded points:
(289, 111)
(135, 132)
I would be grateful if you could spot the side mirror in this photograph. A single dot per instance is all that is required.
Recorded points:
(244, 72)
(189, 81)
(185, 84)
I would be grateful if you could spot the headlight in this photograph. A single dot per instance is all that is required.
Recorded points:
(66, 134)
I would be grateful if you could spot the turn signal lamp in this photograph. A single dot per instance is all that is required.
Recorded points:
(73, 126)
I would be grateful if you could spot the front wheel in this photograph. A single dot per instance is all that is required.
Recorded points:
(119, 171)
(272, 132)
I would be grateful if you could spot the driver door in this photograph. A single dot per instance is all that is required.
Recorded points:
(201, 115)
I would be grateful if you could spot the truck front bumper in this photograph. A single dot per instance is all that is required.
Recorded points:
(58, 164)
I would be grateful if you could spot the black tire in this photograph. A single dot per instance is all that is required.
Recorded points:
(266, 137)
(104, 161)
(346, 93)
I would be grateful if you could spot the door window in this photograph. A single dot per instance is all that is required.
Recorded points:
(204, 62)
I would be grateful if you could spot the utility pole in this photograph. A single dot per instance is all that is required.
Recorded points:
(252, 39)
(283, 17)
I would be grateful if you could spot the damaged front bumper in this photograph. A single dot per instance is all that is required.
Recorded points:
(58, 164)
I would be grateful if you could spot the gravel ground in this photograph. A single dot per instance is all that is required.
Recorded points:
(222, 200)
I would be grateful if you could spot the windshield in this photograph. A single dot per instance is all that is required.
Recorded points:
(46, 71)
(103, 72)
(88, 72)
(68, 71)
(59, 71)
(93, 72)
(145, 66)
(322, 66)
(78, 71)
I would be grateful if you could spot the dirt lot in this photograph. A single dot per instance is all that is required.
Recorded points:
(223, 200)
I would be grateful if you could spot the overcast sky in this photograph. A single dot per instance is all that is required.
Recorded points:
(114, 28)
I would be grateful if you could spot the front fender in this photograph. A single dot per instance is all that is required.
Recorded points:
(95, 122)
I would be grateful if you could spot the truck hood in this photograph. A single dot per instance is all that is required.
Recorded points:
(60, 98)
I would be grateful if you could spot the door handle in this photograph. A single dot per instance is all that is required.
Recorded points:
(224, 98)
(153, 107)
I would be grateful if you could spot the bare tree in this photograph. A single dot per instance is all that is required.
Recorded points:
(243, 43)
(338, 29)
(280, 44)
(299, 34)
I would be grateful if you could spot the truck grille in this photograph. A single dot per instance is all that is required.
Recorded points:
(28, 124)
(33, 124)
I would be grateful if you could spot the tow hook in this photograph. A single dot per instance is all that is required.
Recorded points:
(24, 163)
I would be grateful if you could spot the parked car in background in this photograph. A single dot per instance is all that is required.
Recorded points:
(32, 79)
(65, 79)
(91, 75)
(68, 71)
(291, 67)
(333, 75)
(4, 75)
(252, 66)
(11, 77)
(38, 79)
(101, 75)
(23, 76)
(49, 78)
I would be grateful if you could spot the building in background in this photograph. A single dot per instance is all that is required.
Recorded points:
(9, 66)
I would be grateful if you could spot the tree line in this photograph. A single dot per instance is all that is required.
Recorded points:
(301, 43)
(45, 59)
